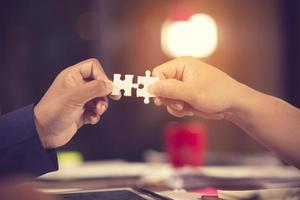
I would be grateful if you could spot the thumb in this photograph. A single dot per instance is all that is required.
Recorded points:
(170, 88)
(91, 90)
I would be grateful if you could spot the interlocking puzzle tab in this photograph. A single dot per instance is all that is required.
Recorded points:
(126, 85)
(146, 81)
(141, 86)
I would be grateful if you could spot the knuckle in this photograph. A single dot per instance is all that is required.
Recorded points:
(94, 61)
(187, 58)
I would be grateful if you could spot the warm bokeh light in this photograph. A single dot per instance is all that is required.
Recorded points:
(195, 37)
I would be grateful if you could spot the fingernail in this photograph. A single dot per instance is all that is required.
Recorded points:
(178, 106)
(103, 108)
(158, 102)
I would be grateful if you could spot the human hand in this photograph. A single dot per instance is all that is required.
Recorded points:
(77, 96)
(190, 87)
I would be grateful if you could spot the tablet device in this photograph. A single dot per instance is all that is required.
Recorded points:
(110, 194)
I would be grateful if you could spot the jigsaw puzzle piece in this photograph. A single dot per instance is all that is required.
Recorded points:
(116, 83)
(145, 81)
(126, 85)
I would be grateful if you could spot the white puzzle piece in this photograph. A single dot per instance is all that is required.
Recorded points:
(141, 86)
(146, 81)
(126, 85)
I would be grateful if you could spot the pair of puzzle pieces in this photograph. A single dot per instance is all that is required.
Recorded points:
(143, 82)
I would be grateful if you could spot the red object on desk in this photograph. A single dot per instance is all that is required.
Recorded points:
(210, 191)
(185, 143)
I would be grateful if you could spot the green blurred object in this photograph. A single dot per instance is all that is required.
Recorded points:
(69, 158)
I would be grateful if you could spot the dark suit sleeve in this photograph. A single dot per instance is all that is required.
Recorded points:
(21, 150)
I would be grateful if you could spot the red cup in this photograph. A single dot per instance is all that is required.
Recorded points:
(185, 143)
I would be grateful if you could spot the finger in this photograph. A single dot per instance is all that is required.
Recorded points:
(171, 89)
(90, 90)
(101, 105)
(90, 69)
(190, 111)
(172, 69)
(98, 105)
(174, 104)
(186, 111)
(158, 73)
(157, 101)
(175, 112)
(215, 116)
(91, 117)
(115, 97)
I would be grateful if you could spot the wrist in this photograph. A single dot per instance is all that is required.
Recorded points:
(246, 99)
(39, 127)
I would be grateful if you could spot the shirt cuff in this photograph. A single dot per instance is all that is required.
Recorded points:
(21, 150)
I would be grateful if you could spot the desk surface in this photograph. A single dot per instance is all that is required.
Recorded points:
(232, 178)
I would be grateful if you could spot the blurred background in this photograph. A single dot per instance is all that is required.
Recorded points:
(256, 42)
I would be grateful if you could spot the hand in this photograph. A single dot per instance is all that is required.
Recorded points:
(76, 97)
(190, 87)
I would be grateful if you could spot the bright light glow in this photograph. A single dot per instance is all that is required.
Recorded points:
(196, 37)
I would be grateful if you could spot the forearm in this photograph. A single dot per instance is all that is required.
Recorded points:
(271, 121)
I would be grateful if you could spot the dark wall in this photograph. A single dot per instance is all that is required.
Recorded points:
(291, 66)
(40, 38)
(37, 40)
